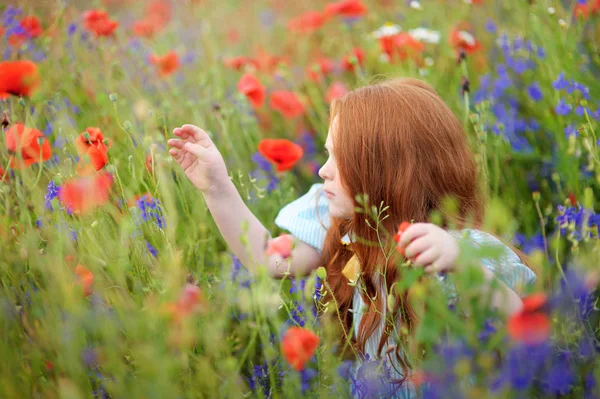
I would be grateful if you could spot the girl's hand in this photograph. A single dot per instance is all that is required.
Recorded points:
(200, 159)
(430, 246)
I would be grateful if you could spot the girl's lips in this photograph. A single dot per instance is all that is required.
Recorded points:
(329, 194)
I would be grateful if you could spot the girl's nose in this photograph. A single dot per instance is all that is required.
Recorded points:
(325, 172)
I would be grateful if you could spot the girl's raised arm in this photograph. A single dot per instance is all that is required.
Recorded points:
(204, 166)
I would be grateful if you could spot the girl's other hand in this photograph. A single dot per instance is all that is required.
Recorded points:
(199, 158)
(429, 246)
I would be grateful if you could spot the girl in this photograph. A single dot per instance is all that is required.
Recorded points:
(399, 143)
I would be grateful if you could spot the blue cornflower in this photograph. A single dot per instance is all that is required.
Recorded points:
(490, 26)
(306, 377)
(298, 285)
(151, 249)
(265, 168)
(501, 84)
(298, 314)
(51, 192)
(151, 210)
(239, 273)
(571, 131)
(561, 83)
(584, 90)
(519, 65)
(488, 330)
(563, 108)
(71, 29)
(573, 297)
(560, 377)
(535, 92)
(589, 385)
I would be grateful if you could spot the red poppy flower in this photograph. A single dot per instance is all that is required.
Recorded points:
(145, 28)
(534, 302)
(167, 64)
(158, 15)
(298, 346)
(90, 145)
(281, 152)
(462, 39)
(322, 67)
(281, 245)
(32, 26)
(287, 103)
(307, 22)
(29, 143)
(237, 63)
(160, 12)
(358, 55)
(251, 87)
(401, 46)
(346, 8)
(19, 78)
(83, 194)
(92, 137)
(190, 300)
(401, 229)
(531, 325)
(265, 61)
(336, 90)
(99, 23)
(86, 279)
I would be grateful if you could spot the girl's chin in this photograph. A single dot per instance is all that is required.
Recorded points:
(336, 213)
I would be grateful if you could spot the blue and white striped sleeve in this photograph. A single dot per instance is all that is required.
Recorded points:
(508, 267)
(307, 218)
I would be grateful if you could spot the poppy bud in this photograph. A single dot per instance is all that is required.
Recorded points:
(5, 120)
(462, 56)
(40, 140)
(113, 97)
(86, 136)
(465, 85)
(127, 125)
(321, 272)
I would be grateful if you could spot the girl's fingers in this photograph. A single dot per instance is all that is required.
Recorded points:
(417, 246)
(414, 231)
(196, 149)
(176, 143)
(199, 135)
(427, 257)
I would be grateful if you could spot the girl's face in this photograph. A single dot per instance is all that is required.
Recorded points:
(340, 202)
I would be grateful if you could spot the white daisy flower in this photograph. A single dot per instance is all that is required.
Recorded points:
(416, 5)
(426, 35)
(386, 30)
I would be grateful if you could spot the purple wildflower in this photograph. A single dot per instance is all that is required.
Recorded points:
(563, 108)
(535, 92)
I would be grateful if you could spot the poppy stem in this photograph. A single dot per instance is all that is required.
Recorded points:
(40, 168)
(6, 169)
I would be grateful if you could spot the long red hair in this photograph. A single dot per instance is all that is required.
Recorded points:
(398, 142)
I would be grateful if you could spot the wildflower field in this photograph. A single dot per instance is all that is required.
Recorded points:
(116, 282)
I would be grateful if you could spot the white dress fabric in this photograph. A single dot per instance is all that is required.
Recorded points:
(307, 218)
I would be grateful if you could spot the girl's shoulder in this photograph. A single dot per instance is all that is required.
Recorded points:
(307, 217)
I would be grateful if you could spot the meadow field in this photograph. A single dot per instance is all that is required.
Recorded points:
(115, 280)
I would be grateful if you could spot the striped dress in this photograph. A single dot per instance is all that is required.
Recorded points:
(307, 218)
